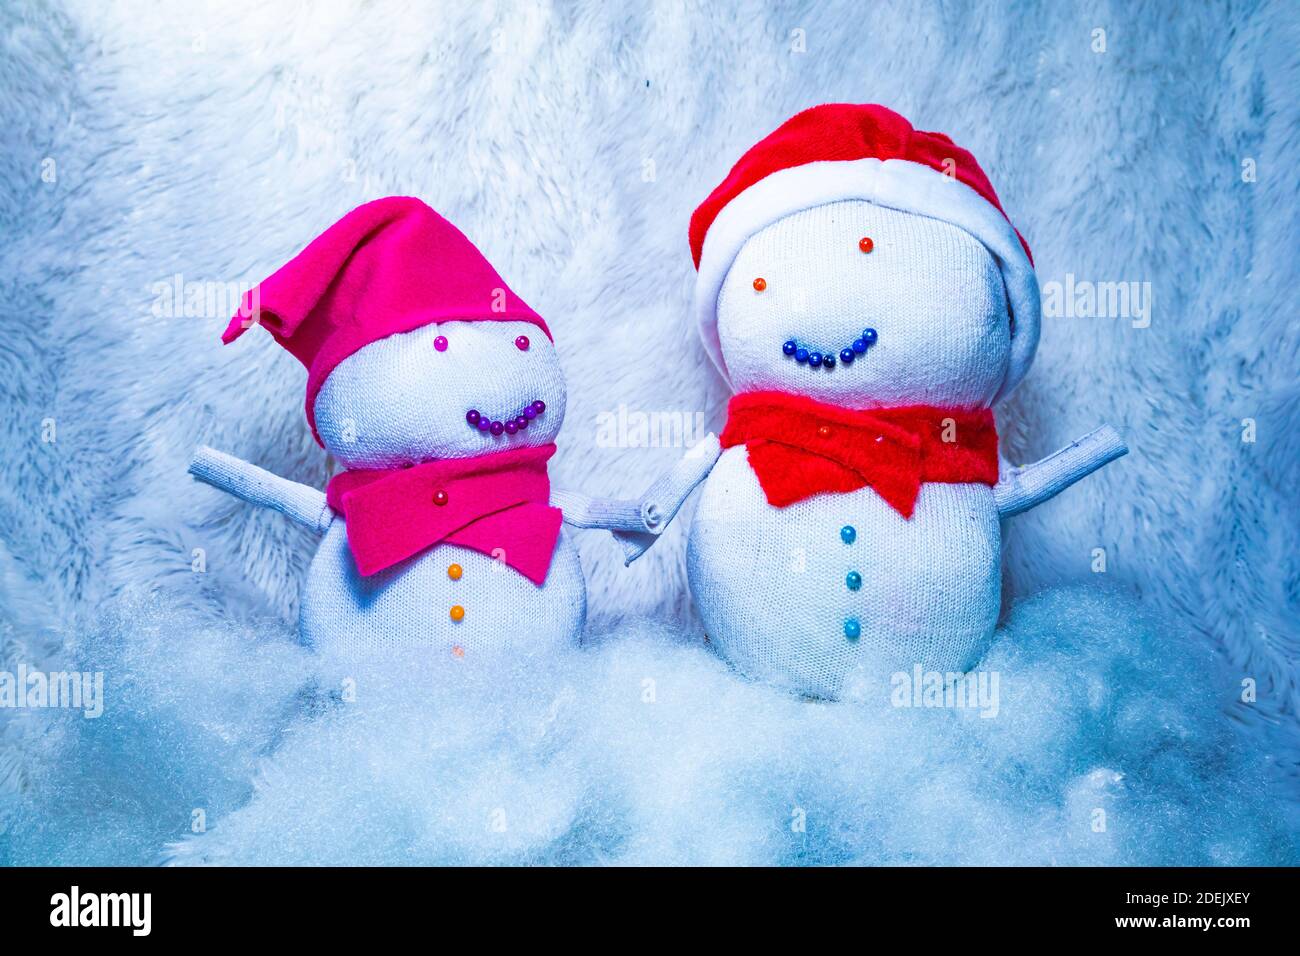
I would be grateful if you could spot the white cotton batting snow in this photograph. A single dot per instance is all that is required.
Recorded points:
(1109, 746)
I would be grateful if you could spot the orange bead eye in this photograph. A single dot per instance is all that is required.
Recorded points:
(760, 284)
(865, 244)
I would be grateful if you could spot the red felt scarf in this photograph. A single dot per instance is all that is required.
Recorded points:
(799, 448)
(495, 504)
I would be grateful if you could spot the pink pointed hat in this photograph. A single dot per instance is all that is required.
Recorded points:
(390, 266)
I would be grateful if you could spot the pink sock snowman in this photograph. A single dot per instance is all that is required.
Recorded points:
(440, 392)
(868, 301)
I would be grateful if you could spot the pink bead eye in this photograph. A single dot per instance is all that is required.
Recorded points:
(440, 343)
(521, 343)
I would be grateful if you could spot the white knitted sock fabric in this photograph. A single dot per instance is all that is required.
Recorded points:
(401, 400)
(773, 584)
(932, 292)
(348, 617)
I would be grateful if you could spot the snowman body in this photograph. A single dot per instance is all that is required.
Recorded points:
(408, 606)
(403, 400)
(773, 585)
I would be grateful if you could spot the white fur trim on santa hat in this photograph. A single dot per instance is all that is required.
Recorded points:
(895, 183)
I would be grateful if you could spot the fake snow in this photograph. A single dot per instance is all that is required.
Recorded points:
(1105, 743)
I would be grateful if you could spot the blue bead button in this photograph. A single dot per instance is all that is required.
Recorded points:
(853, 580)
(852, 629)
(848, 534)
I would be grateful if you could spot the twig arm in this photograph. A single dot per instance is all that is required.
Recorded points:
(606, 514)
(257, 486)
(1028, 486)
(662, 500)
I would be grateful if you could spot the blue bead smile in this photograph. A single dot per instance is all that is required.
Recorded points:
(806, 356)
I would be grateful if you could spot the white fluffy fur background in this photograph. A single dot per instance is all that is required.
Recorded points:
(213, 140)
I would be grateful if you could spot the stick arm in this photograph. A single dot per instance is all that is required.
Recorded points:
(607, 514)
(1019, 489)
(257, 486)
(662, 500)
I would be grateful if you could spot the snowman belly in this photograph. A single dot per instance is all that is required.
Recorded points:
(345, 615)
(771, 583)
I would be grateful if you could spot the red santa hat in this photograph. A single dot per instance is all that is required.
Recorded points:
(843, 151)
(390, 266)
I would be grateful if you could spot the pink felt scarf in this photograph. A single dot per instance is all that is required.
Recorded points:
(495, 504)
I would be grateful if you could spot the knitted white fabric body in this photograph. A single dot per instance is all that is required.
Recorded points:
(770, 587)
(400, 400)
(770, 583)
(408, 605)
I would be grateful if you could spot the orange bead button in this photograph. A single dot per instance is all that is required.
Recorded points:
(457, 612)
(454, 572)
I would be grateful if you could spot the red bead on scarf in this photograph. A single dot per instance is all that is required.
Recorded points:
(799, 447)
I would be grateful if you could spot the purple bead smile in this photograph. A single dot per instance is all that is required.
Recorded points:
(508, 427)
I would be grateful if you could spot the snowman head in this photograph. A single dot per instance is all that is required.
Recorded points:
(452, 390)
(860, 305)
(414, 346)
(847, 233)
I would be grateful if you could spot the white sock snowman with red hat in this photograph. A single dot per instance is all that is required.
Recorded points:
(440, 392)
(867, 299)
